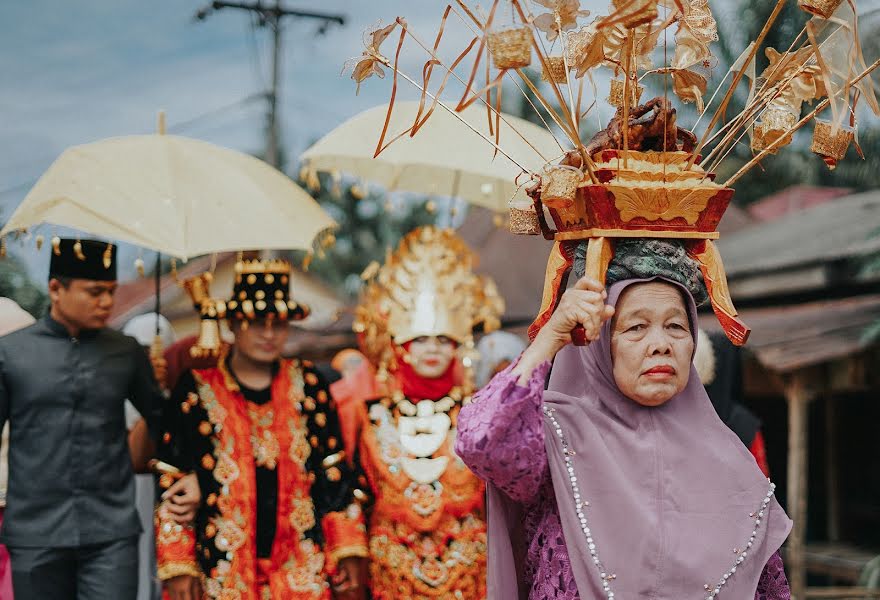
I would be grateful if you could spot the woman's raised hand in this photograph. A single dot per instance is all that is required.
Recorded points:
(582, 305)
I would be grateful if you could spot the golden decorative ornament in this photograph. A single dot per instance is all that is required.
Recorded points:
(78, 250)
(777, 122)
(554, 70)
(260, 305)
(425, 288)
(252, 279)
(524, 221)
(269, 278)
(511, 48)
(247, 307)
(616, 93)
(760, 141)
(260, 294)
(633, 13)
(39, 241)
(139, 266)
(56, 245)
(831, 143)
(107, 258)
(431, 206)
(821, 8)
(559, 185)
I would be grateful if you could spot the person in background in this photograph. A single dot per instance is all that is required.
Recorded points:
(426, 514)
(497, 350)
(277, 517)
(719, 365)
(12, 318)
(143, 329)
(70, 522)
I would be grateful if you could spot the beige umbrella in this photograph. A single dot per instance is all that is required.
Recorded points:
(447, 157)
(179, 196)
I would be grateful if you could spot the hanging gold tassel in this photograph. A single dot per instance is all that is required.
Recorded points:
(39, 240)
(56, 245)
(139, 265)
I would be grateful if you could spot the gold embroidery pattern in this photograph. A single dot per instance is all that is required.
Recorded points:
(265, 446)
(308, 574)
(302, 514)
(430, 567)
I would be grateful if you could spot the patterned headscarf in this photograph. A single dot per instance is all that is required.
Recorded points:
(646, 258)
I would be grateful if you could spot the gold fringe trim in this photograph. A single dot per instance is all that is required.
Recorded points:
(176, 569)
(356, 551)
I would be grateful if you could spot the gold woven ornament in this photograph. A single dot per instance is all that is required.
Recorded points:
(210, 311)
(556, 71)
(822, 8)
(760, 142)
(777, 122)
(427, 287)
(831, 143)
(524, 221)
(616, 93)
(511, 48)
(559, 185)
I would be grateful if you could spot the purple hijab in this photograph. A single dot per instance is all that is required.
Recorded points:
(671, 490)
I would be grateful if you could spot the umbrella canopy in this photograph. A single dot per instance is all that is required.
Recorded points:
(179, 196)
(446, 157)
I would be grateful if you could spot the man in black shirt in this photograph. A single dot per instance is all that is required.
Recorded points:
(71, 525)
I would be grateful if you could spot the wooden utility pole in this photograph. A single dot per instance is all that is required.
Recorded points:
(271, 14)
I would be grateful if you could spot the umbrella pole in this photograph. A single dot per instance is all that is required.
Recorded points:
(156, 348)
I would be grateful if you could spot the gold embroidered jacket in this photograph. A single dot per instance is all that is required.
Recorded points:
(232, 444)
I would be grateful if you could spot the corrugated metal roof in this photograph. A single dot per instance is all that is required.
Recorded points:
(786, 338)
(843, 228)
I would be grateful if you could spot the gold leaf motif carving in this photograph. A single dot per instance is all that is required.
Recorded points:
(661, 203)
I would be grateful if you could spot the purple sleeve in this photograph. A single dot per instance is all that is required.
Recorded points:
(773, 584)
(501, 434)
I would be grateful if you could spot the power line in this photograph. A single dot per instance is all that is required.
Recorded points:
(272, 15)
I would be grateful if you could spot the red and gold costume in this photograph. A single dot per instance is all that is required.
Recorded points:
(426, 520)
(277, 512)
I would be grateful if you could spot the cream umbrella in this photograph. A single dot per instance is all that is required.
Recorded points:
(179, 196)
(447, 157)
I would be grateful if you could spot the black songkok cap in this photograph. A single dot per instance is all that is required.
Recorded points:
(83, 259)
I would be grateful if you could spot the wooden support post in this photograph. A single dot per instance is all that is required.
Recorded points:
(831, 469)
(798, 397)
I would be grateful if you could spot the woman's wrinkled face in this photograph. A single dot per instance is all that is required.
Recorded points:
(430, 356)
(651, 343)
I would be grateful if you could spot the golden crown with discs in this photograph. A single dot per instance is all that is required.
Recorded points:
(427, 287)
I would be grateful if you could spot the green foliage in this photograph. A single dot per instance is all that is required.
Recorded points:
(370, 223)
(15, 284)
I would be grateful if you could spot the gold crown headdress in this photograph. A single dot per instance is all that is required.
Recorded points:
(427, 287)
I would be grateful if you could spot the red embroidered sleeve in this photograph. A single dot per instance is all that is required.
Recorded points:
(345, 535)
(175, 550)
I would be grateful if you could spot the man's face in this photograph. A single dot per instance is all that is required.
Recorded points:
(83, 303)
(262, 340)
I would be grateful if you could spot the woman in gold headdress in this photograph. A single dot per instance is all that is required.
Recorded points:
(426, 516)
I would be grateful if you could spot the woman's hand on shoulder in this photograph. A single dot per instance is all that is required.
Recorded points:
(582, 305)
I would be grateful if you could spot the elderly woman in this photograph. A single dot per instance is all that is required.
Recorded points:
(619, 480)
